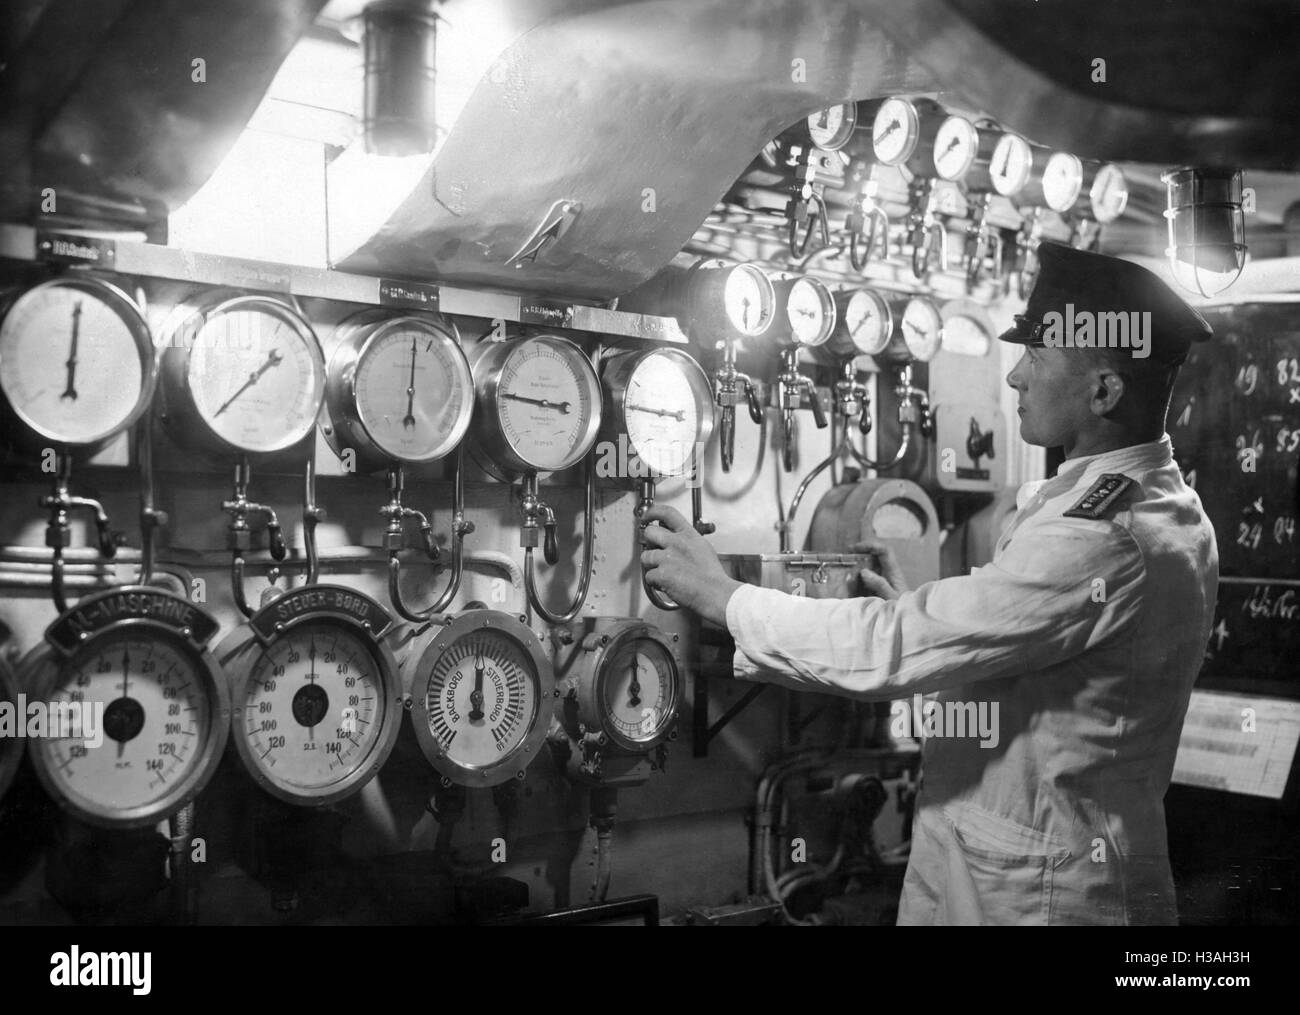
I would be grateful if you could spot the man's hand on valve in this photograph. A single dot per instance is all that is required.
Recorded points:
(889, 583)
(681, 563)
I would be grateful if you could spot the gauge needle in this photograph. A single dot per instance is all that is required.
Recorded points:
(70, 390)
(126, 669)
(1006, 162)
(311, 655)
(408, 421)
(634, 688)
(744, 312)
(476, 695)
(562, 406)
(948, 151)
(805, 313)
(915, 329)
(893, 126)
(274, 359)
(679, 416)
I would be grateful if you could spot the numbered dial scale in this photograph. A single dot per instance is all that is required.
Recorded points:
(538, 404)
(154, 708)
(628, 685)
(662, 402)
(241, 374)
(316, 695)
(77, 363)
(399, 389)
(481, 689)
(11, 747)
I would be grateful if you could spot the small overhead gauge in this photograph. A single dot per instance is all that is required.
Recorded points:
(808, 309)
(136, 656)
(77, 363)
(1108, 195)
(241, 374)
(482, 691)
(627, 685)
(921, 328)
(895, 131)
(955, 147)
(832, 128)
(1011, 165)
(1062, 181)
(865, 324)
(317, 700)
(399, 389)
(538, 404)
(11, 748)
(663, 402)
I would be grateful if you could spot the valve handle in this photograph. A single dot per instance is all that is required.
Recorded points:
(755, 407)
(550, 545)
(865, 423)
(430, 546)
(107, 540)
(705, 528)
(727, 436)
(819, 414)
(276, 537)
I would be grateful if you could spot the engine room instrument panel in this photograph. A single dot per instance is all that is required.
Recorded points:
(398, 389)
(626, 685)
(77, 362)
(481, 690)
(241, 375)
(315, 691)
(135, 660)
(662, 401)
(538, 404)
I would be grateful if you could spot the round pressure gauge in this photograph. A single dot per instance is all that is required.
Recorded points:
(748, 300)
(142, 711)
(398, 389)
(627, 685)
(11, 747)
(1062, 181)
(242, 374)
(955, 147)
(662, 402)
(1011, 165)
(832, 128)
(921, 326)
(717, 300)
(967, 328)
(481, 689)
(1108, 195)
(895, 131)
(317, 700)
(77, 363)
(807, 308)
(538, 403)
(865, 324)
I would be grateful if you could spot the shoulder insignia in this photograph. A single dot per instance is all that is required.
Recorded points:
(1095, 503)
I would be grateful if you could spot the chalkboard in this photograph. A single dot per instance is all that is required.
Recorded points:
(1235, 424)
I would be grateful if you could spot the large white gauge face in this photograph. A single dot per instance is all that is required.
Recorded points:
(414, 392)
(895, 132)
(955, 147)
(831, 128)
(897, 520)
(748, 300)
(76, 365)
(922, 328)
(315, 708)
(257, 377)
(667, 408)
(481, 698)
(157, 718)
(810, 311)
(1012, 162)
(1109, 193)
(638, 691)
(869, 322)
(966, 336)
(1062, 181)
(548, 403)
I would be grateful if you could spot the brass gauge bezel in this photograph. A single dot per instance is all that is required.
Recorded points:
(589, 683)
(360, 335)
(27, 432)
(170, 619)
(336, 605)
(422, 662)
(487, 362)
(617, 374)
(179, 410)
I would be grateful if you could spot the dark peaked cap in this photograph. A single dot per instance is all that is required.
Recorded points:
(1101, 284)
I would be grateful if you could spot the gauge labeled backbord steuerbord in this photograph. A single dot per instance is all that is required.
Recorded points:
(316, 698)
(398, 390)
(133, 663)
(660, 402)
(241, 374)
(77, 363)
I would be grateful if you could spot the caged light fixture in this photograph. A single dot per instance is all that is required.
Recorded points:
(1207, 228)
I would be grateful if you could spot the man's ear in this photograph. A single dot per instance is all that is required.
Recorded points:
(1108, 390)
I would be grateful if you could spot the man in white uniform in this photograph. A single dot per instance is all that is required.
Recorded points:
(1087, 630)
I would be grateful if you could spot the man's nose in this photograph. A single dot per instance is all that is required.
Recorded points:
(1015, 378)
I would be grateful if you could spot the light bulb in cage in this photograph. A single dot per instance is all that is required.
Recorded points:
(1207, 228)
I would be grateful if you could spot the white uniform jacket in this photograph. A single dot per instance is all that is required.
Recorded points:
(1086, 633)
